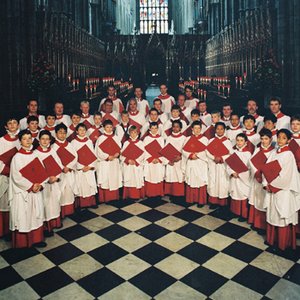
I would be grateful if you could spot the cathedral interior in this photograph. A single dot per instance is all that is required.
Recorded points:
(229, 51)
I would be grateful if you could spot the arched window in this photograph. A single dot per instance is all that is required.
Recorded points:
(154, 15)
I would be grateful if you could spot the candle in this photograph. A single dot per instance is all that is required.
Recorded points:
(241, 82)
(86, 91)
(74, 84)
(204, 93)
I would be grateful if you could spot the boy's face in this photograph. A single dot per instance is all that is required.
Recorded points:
(26, 141)
(249, 124)
(227, 111)
(275, 107)
(44, 140)
(125, 118)
(133, 134)
(154, 130)
(61, 134)
(295, 126)
(240, 142)
(176, 128)
(163, 89)
(195, 117)
(50, 120)
(81, 131)
(188, 93)
(12, 125)
(75, 119)
(97, 120)
(269, 124)
(132, 106)
(197, 130)
(202, 107)
(138, 93)
(282, 139)
(265, 141)
(33, 126)
(220, 130)
(157, 105)
(215, 118)
(153, 116)
(235, 121)
(175, 113)
(108, 107)
(59, 109)
(108, 128)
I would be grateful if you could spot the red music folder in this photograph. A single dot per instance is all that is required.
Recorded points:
(236, 164)
(132, 151)
(86, 156)
(8, 155)
(259, 160)
(110, 147)
(194, 145)
(51, 166)
(295, 148)
(217, 148)
(271, 170)
(65, 156)
(170, 152)
(153, 149)
(94, 135)
(35, 172)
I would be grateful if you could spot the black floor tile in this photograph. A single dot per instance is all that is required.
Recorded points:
(117, 216)
(8, 277)
(13, 256)
(100, 282)
(192, 231)
(242, 251)
(290, 254)
(152, 253)
(49, 281)
(62, 253)
(222, 213)
(107, 253)
(204, 280)
(293, 274)
(256, 279)
(83, 216)
(73, 232)
(181, 201)
(153, 202)
(153, 215)
(113, 232)
(153, 232)
(121, 203)
(152, 281)
(198, 253)
(232, 230)
(188, 215)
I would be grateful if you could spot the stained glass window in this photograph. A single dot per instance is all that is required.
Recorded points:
(154, 16)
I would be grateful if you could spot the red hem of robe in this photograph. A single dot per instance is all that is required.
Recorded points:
(257, 218)
(196, 195)
(218, 201)
(105, 195)
(4, 223)
(87, 201)
(27, 239)
(51, 224)
(174, 189)
(285, 237)
(239, 207)
(154, 189)
(133, 193)
(67, 210)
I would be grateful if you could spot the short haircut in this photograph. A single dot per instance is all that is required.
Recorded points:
(132, 128)
(32, 119)
(242, 135)
(153, 109)
(295, 118)
(157, 100)
(188, 87)
(50, 113)
(286, 132)
(248, 117)
(181, 94)
(132, 99)
(81, 125)
(108, 122)
(152, 124)
(202, 101)
(275, 98)
(253, 100)
(162, 85)
(234, 113)
(61, 126)
(11, 118)
(75, 113)
(110, 86)
(175, 107)
(195, 111)
(265, 132)
(138, 87)
(270, 117)
(97, 113)
(196, 123)
(177, 122)
(28, 102)
(58, 102)
(22, 133)
(45, 132)
(216, 112)
(124, 112)
(226, 104)
(84, 102)
(108, 101)
(220, 124)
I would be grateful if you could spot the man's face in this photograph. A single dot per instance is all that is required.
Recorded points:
(275, 106)
(59, 109)
(295, 126)
(157, 105)
(227, 111)
(32, 107)
(188, 93)
(235, 120)
(85, 108)
(181, 100)
(163, 89)
(252, 107)
(138, 93)
(132, 105)
(108, 107)
(111, 91)
(202, 107)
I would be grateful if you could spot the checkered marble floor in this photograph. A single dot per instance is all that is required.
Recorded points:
(150, 250)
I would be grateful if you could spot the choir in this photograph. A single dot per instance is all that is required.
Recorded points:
(58, 164)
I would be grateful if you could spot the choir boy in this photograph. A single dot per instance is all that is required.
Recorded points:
(132, 158)
(122, 128)
(295, 142)
(209, 133)
(59, 114)
(108, 169)
(270, 123)
(238, 170)
(166, 100)
(68, 158)
(196, 169)
(283, 121)
(27, 177)
(51, 193)
(154, 169)
(75, 120)
(252, 109)
(257, 211)
(117, 106)
(95, 130)
(86, 118)
(195, 116)
(249, 130)
(153, 117)
(33, 127)
(234, 128)
(204, 115)
(9, 146)
(218, 150)
(282, 182)
(174, 179)
(190, 100)
(85, 168)
(175, 115)
(50, 123)
(157, 104)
